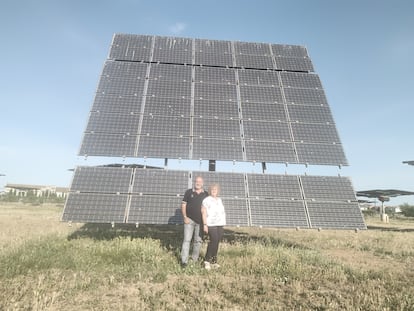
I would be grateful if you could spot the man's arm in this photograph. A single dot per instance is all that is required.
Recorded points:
(184, 212)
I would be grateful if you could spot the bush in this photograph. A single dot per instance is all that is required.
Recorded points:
(407, 210)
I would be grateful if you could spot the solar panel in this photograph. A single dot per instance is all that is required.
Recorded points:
(328, 188)
(163, 147)
(310, 114)
(338, 215)
(263, 111)
(236, 212)
(183, 98)
(320, 153)
(101, 179)
(209, 91)
(95, 207)
(281, 187)
(270, 151)
(271, 213)
(265, 130)
(289, 50)
(113, 103)
(216, 148)
(260, 94)
(155, 210)
(154, 125)
(317, 133)
(108, 144)
(169, 107)
(305, 96)
(115, 123)
(162, 182)
(130, 47)
(216, 109)
(216, 128)
(258, 77)
(254, 61)
(215, 75)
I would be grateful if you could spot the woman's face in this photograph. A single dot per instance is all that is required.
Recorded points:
(214, 191)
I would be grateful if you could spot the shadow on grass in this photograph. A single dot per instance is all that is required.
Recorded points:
(171, 236)
(391, 229)
(231, 236)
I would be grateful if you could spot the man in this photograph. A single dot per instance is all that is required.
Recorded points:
(191, 211)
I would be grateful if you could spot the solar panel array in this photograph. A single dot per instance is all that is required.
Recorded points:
(153, 196)
(186, 98)
(181, 98)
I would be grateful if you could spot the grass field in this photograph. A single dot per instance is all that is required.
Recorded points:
(49, 265)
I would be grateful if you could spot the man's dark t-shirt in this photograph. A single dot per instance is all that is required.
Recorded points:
(193, 206)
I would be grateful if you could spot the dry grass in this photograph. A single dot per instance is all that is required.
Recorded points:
(48, 265)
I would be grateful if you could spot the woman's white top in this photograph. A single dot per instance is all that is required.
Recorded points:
(216, 216)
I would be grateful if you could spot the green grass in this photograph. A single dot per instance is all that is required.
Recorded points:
(96, 267)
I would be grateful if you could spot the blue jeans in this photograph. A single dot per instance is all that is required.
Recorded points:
(191, 230)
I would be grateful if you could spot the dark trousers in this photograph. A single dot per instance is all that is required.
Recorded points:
(215, 234)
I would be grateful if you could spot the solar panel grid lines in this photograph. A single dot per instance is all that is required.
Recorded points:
(320, 153)
(217, 148)
(155, 209)
(294, 64)
(108, 144)
(283, 50)
(310, 114)
(258, 77)
(215, 109)
(95, 207)
(282, 187)
(167, 107)
(303, 96)
(300, 80)
(153, 146)
(236, 212)
(261, 94)
(215, 75)
(163, 182)
(328, 188)
(270, 151)
(266, 130)
(101, 179)
(114, 123)
(271, 213)
(213, 91)
(336, 215)
(113, 103)
(318, 133)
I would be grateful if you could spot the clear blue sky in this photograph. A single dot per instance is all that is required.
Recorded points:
(52, 52)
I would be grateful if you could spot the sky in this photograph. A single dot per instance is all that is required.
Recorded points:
(52, 53)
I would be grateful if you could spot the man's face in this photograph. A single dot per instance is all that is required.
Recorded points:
(198, 183)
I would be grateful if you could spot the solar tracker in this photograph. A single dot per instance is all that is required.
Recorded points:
(197, 99)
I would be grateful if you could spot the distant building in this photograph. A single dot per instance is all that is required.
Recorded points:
(37, 190)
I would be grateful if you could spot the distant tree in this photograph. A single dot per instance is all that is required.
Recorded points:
(407, 210)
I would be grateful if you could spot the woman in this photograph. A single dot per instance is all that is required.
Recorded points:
(214, 218)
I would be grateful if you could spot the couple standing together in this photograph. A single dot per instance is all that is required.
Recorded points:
(202, 209)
